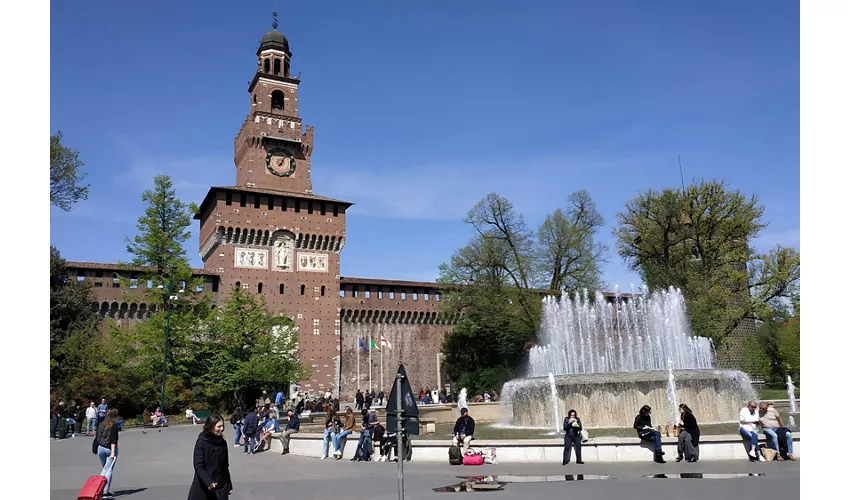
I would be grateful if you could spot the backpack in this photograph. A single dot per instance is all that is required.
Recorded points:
(455, 455)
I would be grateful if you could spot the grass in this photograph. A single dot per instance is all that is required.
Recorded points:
(770, 393)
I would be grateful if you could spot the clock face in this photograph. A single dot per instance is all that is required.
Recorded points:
(280, 162)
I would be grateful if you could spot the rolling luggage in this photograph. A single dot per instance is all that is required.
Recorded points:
(93, 489)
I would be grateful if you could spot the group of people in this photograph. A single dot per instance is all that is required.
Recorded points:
(68, 421)
(254, 431)
(778, 437)
(372, 433)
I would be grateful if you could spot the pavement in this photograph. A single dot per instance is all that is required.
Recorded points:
(158, 465)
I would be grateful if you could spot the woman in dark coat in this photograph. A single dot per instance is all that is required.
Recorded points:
(212, 468)
(688, 436)
(643, 426)
(572, 437)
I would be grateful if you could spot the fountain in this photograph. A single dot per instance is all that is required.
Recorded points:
(607, 358)
(461, 400)
(792, 402)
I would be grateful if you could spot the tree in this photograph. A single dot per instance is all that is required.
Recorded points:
(698, 241)
(495, 281)
(163, 229)
(249, 348)
(72, 316)
(66, 175)
(568, 257)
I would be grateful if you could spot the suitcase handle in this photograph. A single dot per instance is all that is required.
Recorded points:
(107, 468)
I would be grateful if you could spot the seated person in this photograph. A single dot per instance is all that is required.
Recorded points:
(190, 415)
(773, 428)
(464, 430)
(270, 426)
(147, 418)
(379, 437)
(364, 444)
(645, 431)
(159, 417)
(391, 445)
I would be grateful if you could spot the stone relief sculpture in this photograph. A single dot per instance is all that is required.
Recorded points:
(283, 251)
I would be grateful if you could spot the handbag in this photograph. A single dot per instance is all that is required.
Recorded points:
(769, 454)
(95, 442)
(585, 436)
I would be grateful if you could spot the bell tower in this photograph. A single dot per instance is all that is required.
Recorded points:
(271, 150)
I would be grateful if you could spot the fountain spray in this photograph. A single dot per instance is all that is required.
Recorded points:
(556, 412)
(792, 401)
(672, 404)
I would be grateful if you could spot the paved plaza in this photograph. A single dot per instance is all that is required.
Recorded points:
(158, 465)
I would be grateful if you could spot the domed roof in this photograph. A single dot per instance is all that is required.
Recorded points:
(274, 39)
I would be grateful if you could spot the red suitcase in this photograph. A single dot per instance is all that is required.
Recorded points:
(93, 489)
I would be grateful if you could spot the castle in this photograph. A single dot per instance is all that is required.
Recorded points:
(270, 234)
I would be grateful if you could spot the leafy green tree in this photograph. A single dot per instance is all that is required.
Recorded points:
(66, 175)
(72, 316)
(698, 241)
(249, 348)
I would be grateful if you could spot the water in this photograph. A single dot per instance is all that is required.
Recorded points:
(643, 333)
(554, 392)
(607, 358)
(672, 405)
(792, 401)
(461, 400)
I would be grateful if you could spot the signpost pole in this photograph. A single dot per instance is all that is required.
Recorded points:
(399, 442)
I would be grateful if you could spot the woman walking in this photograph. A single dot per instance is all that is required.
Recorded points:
(572, 437)
(643, 426)
(106, 439)
(688, 435)
(212, 468)
(236, 422)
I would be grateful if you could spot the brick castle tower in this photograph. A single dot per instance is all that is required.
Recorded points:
(269, 234)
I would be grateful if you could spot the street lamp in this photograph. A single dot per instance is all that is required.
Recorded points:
(167, 329)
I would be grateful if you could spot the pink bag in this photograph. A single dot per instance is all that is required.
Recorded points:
(477, 459)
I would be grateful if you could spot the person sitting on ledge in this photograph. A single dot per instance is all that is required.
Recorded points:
(464, 429)
(688, 435)
(748, 420)
(643, 426)
(293, 426)
(347, 429)
(774, 429)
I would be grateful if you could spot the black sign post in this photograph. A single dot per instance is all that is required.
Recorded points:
(405, 417)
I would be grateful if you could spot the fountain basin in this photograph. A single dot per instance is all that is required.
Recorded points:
(605, 400)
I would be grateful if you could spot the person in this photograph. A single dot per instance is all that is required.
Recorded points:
(379, 438)
(57, 420)
(212, 467)
(293, 426)
(236, 422)
(102, 408)
(572, 437)
(250, 426)
(643, 426)
(106, 439)
(364, 444)
(358, 400)
(331, 429)
(347, 429)
(688, 435)
(381, 398)
(464, 429)
(71, 420)
(270, 426)
(159, 417)
(773, 428)
(190, 415)
(91, 419)
(279, 397)
(748, 420)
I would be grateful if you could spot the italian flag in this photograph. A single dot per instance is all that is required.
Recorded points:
(385, 343)
(373, 345)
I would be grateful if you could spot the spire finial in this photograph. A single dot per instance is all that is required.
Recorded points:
(274, 23)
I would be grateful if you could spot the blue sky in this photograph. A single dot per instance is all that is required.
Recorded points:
(422, 108)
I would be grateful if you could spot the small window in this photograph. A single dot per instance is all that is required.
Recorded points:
(81, 275)
(271, 202)
(323, 208)
(426, 296)
(342, 294)
(277, 67)
(368, 294)
(259, 288)
(315, 322)
(415, 296)
(323, 290)
(380, 294)
(297, 206)
(303, 288)
(149, 284)
(437, 297)
(215, 284)
(403, 295)
(267, 65)
(315, 331)
(277, 100)
(281, 289)
(228, 198)
(116, 285)
(242, 199)
(392, 295)
(256, 201)
(336, 210)
(255, 98)
(134, 284)
(98, 284)
(356, 293)
(309, 207)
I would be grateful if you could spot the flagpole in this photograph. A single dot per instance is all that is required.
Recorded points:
(369, 389)
(357, 350)
(382, 364)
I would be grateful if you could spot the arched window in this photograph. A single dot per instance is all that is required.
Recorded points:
(255, 98)
(302, 289)
(238, 285)
(281, 288)
(277, 67)
(259, 288)
(286, 68)
(323, 290)
(277, 99)
(267, 65)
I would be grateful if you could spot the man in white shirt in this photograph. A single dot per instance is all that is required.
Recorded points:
(748, 428)
(91, 418)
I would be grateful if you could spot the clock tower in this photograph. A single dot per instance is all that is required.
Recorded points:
(269, 234)
(270, 150)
